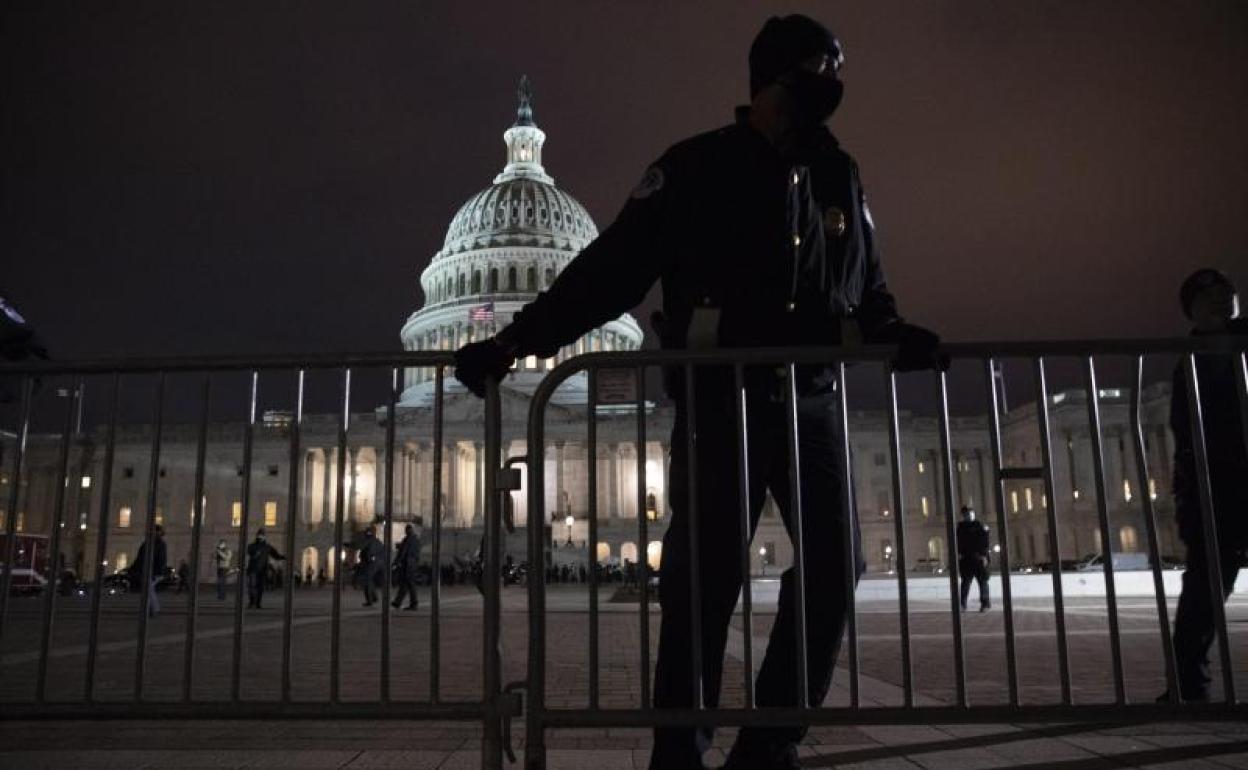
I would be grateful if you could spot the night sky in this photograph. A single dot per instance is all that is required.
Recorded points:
(272, 177)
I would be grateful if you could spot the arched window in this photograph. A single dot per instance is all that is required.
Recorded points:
(532, 278)
(462, 285)
(493, 283)
(628, 552)
(550, 276)
(511, 278)
(654, 553)
(476, 281)
(936, 550)
(604, 553)
(1129, 539)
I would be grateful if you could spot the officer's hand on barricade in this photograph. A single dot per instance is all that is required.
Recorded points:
(917, 348)
(478, 361)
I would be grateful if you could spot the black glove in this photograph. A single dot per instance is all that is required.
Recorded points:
(917, 348)
(477, 362)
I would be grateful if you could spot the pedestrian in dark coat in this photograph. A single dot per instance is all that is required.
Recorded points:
(1210, 300)
(407, 567)
(372, 562)
(972, 539)
(160, 564)
(258, 555)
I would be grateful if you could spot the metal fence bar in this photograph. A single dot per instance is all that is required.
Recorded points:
(147, 574)
(951, 546)
(743, 494)
(695, 572)
(491, 637)
(643, 540)
(197, 526)
(535, 695)
(435, 582)
(101, 545)
(1055, 548)
(54, 538)
(850, 534)
(899, 531)
(1208, 520)
(340, 550)
(591, 549)
(388, 536)
(1003, 530)
(1102, 504)
(292, 516)
(795, 516)
(244, 517)
(1150, 527)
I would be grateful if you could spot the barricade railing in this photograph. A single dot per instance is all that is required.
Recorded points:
(631, 367)
(490, 710)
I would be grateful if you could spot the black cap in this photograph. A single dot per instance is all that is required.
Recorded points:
(1198, 281)
(784, 43)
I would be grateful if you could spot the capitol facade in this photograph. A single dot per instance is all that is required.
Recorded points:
(504, 245)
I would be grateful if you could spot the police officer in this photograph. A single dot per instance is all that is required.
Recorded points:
(407, 567)
(761, 235)
(258, 555)
(1210, 301)
(972, 539)
(372, 556)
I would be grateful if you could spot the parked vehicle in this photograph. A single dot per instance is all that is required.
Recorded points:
(30, 563)
(1122, 561)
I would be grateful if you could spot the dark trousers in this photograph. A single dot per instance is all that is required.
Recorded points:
(255, 588)
(407, 587)
(221, 573)
(719, 578)
(370, 590)
(1194, 630)
(974, 568)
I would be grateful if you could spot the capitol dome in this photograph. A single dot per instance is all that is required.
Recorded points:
(505, 245)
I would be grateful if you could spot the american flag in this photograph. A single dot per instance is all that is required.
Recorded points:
(482, 312)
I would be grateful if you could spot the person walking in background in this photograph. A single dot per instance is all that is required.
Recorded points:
(972, 541)
(222, 557)
(258, 555)
(372, 558)
(160, 563)
(1210, 301)
(406, 567)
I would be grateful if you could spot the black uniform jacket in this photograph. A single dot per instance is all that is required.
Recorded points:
(1224, 442)
(753, 249)
(972, 537)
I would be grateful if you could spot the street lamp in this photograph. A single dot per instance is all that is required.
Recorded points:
(762, 557)
(569, 521)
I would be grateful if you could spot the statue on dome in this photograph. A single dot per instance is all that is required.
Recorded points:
(524, 95)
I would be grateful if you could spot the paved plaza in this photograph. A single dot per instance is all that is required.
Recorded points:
(402, 743)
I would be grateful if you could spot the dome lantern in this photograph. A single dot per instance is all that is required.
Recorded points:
(524, 141)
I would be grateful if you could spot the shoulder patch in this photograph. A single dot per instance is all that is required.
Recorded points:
(651, 182)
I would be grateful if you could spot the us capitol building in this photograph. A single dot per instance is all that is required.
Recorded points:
(504, 245)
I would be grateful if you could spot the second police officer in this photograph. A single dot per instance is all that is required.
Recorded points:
(761, 236)
(972, 540)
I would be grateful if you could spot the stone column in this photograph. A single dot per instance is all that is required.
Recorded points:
(614, 510)
(478, 509)
(450, 502)
(559, 445)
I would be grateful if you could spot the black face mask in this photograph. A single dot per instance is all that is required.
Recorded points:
(815, 97)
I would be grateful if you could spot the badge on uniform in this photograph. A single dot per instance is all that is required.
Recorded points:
(834, 221)
(650, 183)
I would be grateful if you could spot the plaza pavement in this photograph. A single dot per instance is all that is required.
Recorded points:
(415, 744)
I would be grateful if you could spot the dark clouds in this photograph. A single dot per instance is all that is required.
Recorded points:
(209, 178)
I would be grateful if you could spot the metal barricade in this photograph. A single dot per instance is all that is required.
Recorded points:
(490, 710)
(541, 714)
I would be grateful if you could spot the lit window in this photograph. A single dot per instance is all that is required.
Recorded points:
(1014, 501)
(236, 514)
(1075, 494)
(550, 363)
(123, 561)
(1027, 496)
(530, 362)
(21, 521)
(123, 517)
(1126, 490)
(160, 517)
(1044, 500)
(922, 469)
(1152, 489)
(923, 503)
(270, 514)
(86, 482)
